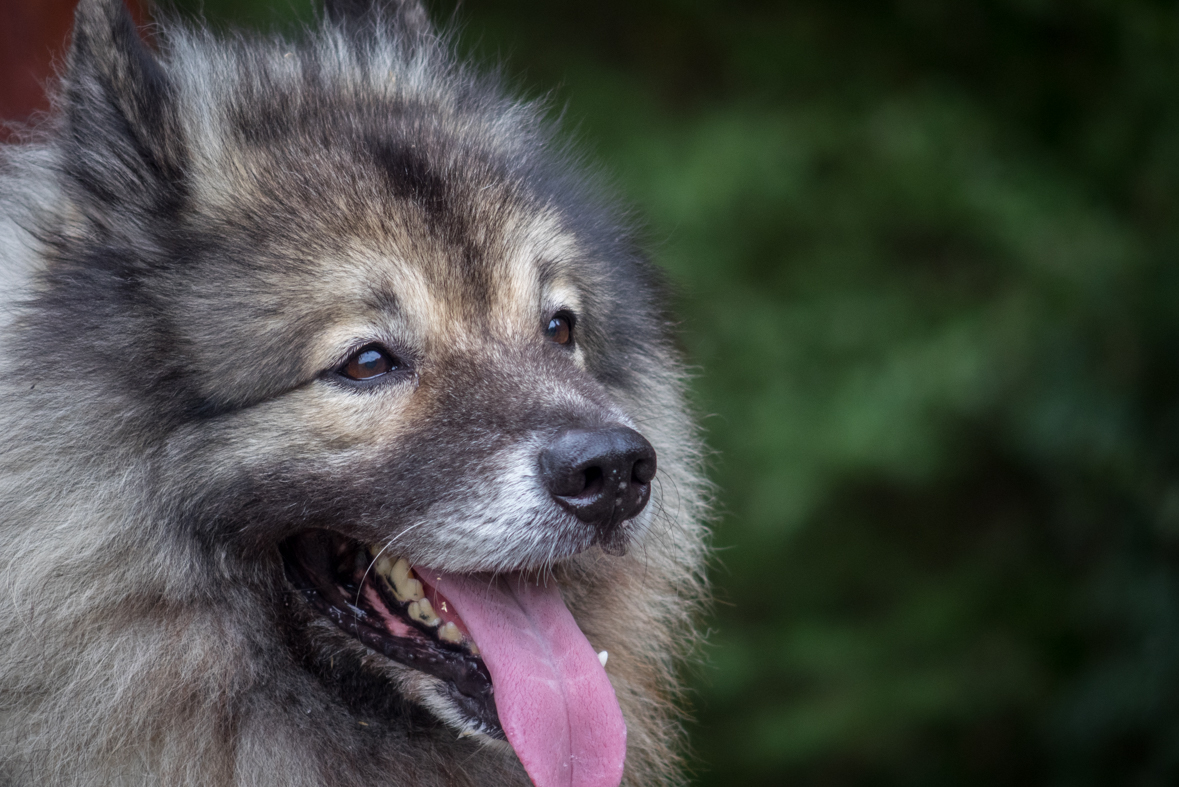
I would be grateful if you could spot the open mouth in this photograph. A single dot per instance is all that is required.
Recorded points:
(381, 601)
(505, 646)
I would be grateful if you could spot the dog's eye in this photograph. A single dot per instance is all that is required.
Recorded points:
(560, 329)
(367, 363)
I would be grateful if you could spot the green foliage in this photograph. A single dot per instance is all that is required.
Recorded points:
(926, 261)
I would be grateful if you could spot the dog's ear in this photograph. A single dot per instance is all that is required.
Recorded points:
(407, 15)
(123, 137)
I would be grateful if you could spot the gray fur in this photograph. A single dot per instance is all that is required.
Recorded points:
(187, 247)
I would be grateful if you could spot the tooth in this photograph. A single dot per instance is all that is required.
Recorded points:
(471, 646)
(450, 633)
(400, 571)
(384, 566)
(414, 591)
(405, 586)
(423, 612)
(427, 611)
(602, 657)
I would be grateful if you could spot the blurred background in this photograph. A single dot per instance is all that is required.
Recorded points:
(926, 260)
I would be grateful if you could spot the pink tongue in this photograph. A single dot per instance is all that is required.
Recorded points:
(555, 702)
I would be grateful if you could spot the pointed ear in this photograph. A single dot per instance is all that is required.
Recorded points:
(123, 134)
(408, 15)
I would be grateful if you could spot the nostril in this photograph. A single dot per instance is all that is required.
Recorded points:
(644, 469)
(599, 475)
(593, 481)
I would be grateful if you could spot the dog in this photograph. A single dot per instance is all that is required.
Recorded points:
(343, 436)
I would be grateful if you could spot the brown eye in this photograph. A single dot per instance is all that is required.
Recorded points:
(367, 363)
(560, 329)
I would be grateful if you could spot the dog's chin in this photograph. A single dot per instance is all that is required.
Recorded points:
(382, 602)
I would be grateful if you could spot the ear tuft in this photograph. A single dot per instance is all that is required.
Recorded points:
(121, 113)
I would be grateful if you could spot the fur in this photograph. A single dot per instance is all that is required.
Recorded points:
(191, 241)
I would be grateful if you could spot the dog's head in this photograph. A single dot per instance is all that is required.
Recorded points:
(401, 379)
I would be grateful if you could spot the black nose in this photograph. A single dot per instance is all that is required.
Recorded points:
(602, 475)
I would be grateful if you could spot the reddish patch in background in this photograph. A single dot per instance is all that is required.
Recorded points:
(33, 36)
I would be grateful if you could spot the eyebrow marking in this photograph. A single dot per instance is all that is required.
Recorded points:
(547, 270)
(384, 300)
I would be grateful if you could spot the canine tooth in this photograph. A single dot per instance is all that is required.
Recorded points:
(450, 633)
(401, 571)
(602, 657)
(406, 587)
(423, 612)
(384, 566)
